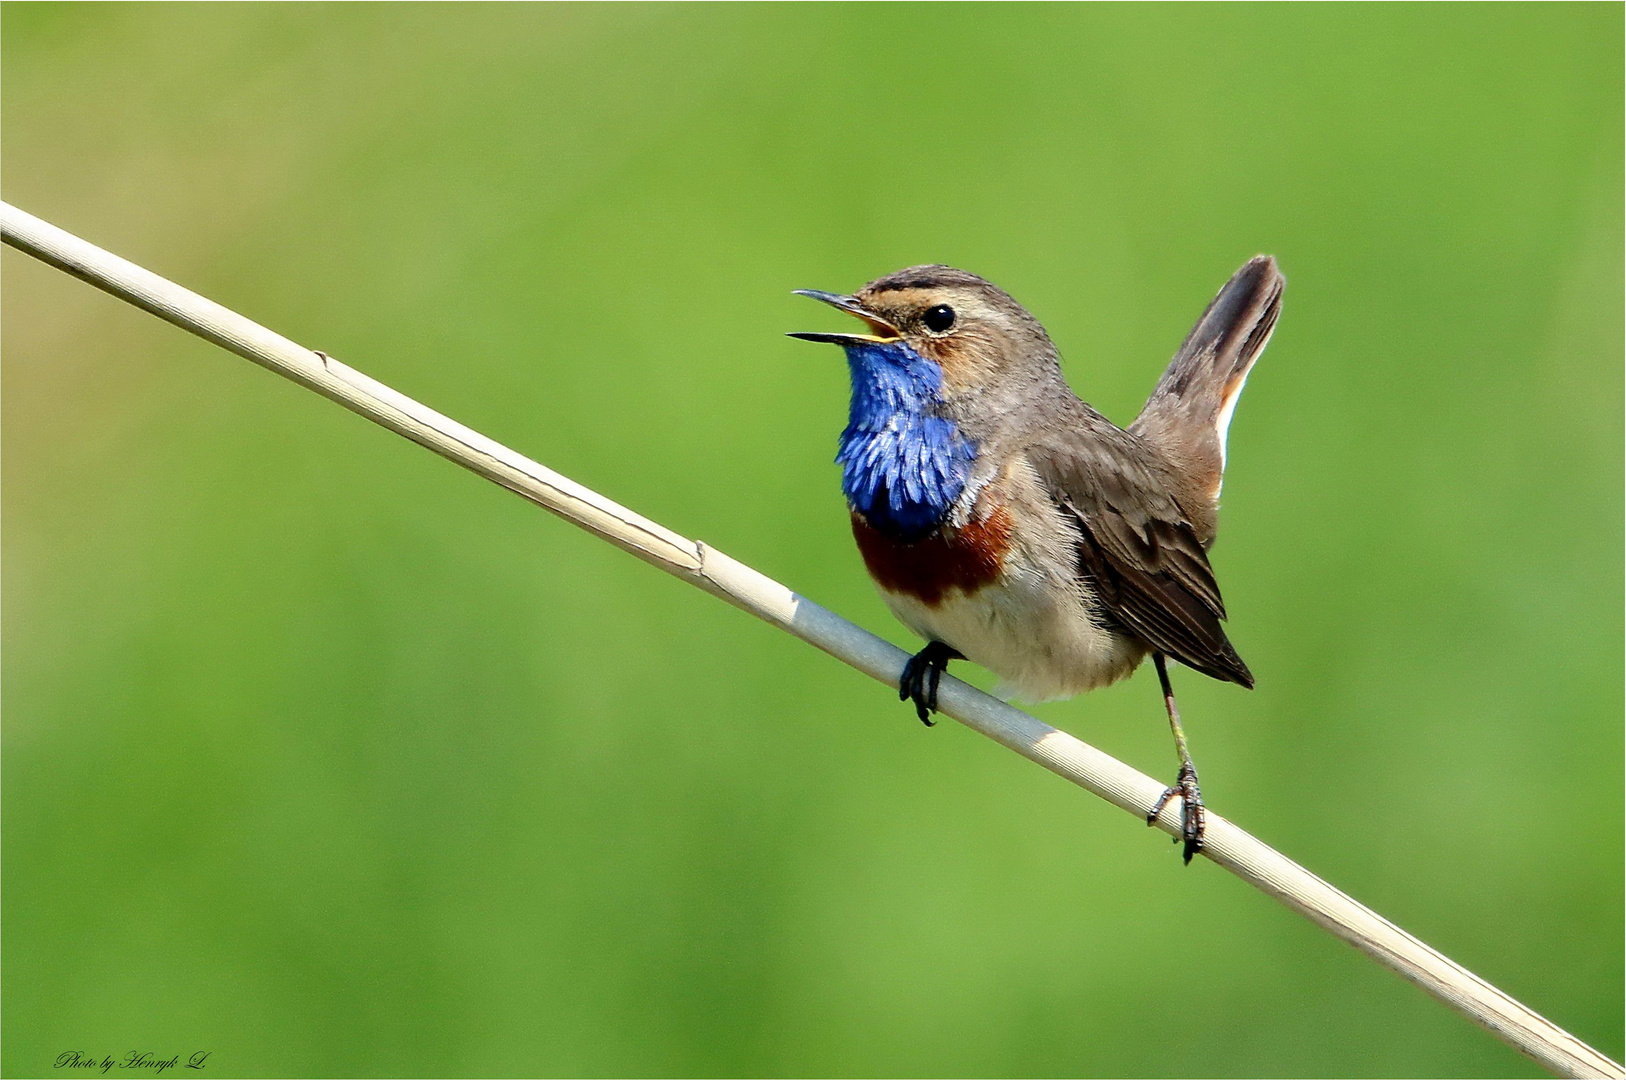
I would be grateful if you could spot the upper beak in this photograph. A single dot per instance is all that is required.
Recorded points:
(884, 331)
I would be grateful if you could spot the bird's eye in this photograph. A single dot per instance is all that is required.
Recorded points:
(938, 319)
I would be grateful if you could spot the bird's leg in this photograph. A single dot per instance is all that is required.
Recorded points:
(921, 676)
(1191, 796)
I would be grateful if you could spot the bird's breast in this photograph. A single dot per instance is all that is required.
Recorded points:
(964, 558)
(999, 582)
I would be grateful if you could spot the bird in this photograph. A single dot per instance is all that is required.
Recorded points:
(1009, 523)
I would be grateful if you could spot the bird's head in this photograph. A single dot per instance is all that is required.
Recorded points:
(979, 340)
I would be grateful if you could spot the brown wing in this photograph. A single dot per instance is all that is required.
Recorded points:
(1137, 549)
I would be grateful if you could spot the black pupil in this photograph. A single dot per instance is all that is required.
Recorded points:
(939, 318)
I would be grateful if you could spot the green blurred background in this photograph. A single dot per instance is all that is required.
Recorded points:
(326, 757)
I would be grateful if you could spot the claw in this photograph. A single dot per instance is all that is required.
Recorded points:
(921, 677)
(1191, 811)
(1191, 797)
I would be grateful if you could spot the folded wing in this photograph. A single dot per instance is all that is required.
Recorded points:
(1136, 548)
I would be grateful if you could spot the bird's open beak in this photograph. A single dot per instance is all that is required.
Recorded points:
(884, 331)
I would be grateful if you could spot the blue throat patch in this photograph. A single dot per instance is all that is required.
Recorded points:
(902, 466)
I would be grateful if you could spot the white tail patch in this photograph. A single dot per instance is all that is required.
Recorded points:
(1222, 420)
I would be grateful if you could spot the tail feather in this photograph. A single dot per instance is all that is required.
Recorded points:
(1189, 412)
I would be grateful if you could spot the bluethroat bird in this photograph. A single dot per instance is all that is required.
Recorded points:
(1009, 523)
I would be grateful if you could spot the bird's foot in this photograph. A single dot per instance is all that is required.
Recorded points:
(1191, 816)
(921, 676)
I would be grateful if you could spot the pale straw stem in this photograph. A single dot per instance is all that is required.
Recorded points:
(709, 569)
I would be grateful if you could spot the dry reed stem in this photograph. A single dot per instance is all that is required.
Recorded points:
(707, 568)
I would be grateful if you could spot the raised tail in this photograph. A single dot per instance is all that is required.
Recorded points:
(1189, 412)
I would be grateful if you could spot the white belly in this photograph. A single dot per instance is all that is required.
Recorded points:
(1029, 628)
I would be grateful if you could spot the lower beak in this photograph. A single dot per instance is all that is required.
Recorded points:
(840, 339)
(884, 331)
